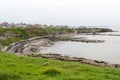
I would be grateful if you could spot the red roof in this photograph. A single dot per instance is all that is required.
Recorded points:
(37, 25)
(4, 23)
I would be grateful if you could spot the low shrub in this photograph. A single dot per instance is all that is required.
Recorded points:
(52, 72)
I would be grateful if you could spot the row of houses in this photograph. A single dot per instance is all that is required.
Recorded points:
(8, 25)
(24, 25)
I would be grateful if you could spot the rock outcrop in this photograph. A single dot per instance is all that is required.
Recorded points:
(28, 46)
(81, 39)
(87, 40)
(76, 59)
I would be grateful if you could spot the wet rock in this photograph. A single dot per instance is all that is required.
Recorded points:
(27, 46)
(87, 40)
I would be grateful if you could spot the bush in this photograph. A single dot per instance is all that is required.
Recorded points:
(8, 76)
(52, 72)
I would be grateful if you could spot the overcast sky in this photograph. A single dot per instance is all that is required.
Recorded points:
(64, 12)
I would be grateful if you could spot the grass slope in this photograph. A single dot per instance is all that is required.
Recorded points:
(16, 34)
(13, 67)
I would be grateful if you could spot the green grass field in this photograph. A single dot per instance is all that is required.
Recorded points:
(14, 67)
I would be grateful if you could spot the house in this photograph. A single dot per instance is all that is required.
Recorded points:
(12, 25)
(29, 26)
(21, 25)
(37, 25)
(4, 24)
(44, 25)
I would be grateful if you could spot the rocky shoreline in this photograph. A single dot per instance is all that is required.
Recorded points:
(29, 47)
(32, 45)
(76, 59)
(87, 40)
(79, 39)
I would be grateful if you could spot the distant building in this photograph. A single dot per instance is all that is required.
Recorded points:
(21, 25)
(29, 26)
(44, 25)
(12, 25)
(37, 25)
(4, 24)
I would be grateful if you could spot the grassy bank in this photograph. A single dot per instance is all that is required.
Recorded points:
(13, 67)
(11, 35)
